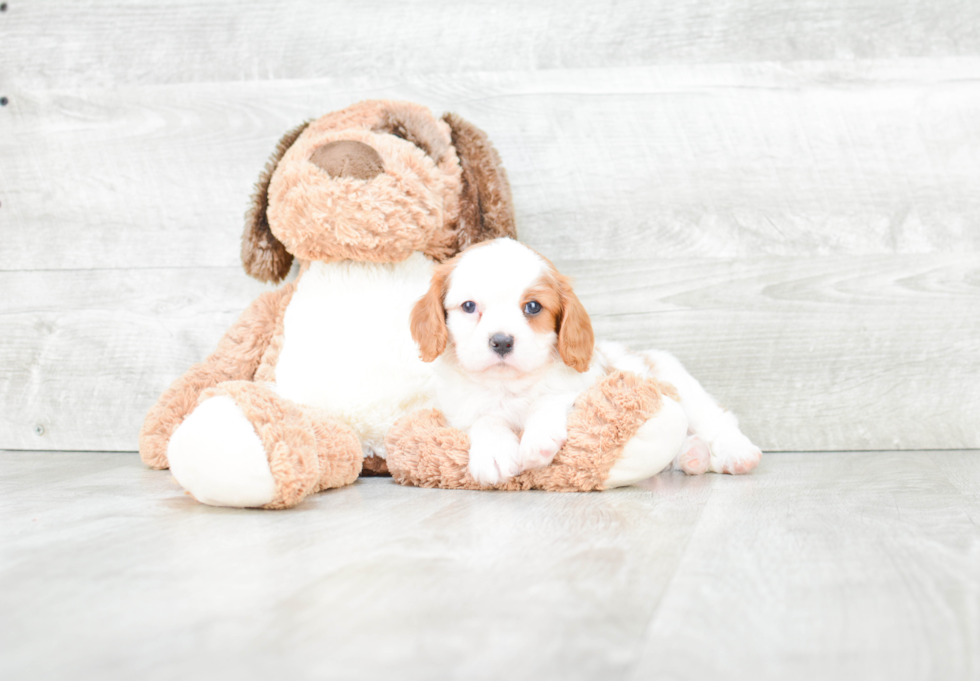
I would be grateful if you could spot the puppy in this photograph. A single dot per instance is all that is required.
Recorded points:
(514, 347)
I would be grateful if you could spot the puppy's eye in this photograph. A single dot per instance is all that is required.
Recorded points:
(469, 306)
(532, 308)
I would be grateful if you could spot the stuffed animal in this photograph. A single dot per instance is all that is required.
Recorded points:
(304, 389)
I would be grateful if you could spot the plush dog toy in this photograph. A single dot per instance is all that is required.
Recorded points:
(306, 386)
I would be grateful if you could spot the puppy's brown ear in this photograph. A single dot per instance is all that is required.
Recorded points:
(263, 255)
(575, 338)
(428, 320)
(486, 207)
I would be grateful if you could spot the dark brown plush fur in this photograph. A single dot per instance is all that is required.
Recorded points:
(419, 130)
(487, 209)
(263, 255)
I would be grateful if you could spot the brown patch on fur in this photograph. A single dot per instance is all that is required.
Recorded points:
(486, 207)
(545, 292)
(428, 318)
(374, 466)
(576, 341)
(237, 357)
(424, 451)
(263, 255)
(347, 158)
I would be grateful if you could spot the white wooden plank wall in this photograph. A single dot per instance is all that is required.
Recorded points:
(784, 193)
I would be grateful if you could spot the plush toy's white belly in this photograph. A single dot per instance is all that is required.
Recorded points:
(347, 345)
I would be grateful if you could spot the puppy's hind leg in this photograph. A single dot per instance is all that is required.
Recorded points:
(731, 451)
(694, 457)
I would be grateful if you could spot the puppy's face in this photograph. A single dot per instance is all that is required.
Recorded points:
(506, 311)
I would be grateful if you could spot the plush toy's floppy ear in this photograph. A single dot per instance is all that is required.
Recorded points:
(576, 340)
(428, 320)
(486, 208)
(263, 255)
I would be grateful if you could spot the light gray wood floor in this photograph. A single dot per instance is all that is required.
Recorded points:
(822, 566)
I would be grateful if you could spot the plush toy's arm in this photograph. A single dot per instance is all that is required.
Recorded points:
(423, 450)
(237, 357)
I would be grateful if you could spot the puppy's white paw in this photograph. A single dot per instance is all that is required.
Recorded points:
(494, 460)
(733, 453)
(539, 445)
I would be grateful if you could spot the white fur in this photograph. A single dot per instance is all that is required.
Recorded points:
(731, 451)
(216, 455)
(495, 277)
(532, 390)
(348, 347)
(494, 397)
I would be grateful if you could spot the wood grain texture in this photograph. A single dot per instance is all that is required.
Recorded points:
(813, 353)
(843, 566)
(86, 353)
(717, 161)
(57, 43)
(795, 181)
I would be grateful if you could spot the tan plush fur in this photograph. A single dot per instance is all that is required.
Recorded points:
(420, 186)
(237, 357)
(426, 185)
(308, 451)
(409, 207)
(425, 452)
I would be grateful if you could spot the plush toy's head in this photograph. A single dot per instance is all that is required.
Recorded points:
(376, 182)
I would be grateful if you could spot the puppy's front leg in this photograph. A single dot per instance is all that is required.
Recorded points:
(731, 451)
(494, 451)
(545, 430)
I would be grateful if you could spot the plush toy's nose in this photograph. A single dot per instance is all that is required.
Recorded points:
(347, 158)
(501, 343)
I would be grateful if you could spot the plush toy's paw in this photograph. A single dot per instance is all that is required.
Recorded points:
(494, 460)
(694, 457)
(733, 453)
(622, 429)
(216, 455)
(652, 448)
(539, 445)
(245, 446)
(422, 450)
(176, 403)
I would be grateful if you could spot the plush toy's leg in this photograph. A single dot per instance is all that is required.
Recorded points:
(653, 448)
(731, 451)
(245, 446)
(622, 429)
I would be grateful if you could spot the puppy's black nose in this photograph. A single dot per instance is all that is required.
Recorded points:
(501, 343)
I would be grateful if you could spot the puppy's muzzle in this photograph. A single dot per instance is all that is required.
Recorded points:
(501, 343)
(348, 158)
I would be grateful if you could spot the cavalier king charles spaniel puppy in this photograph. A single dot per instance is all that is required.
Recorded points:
(514, 347)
